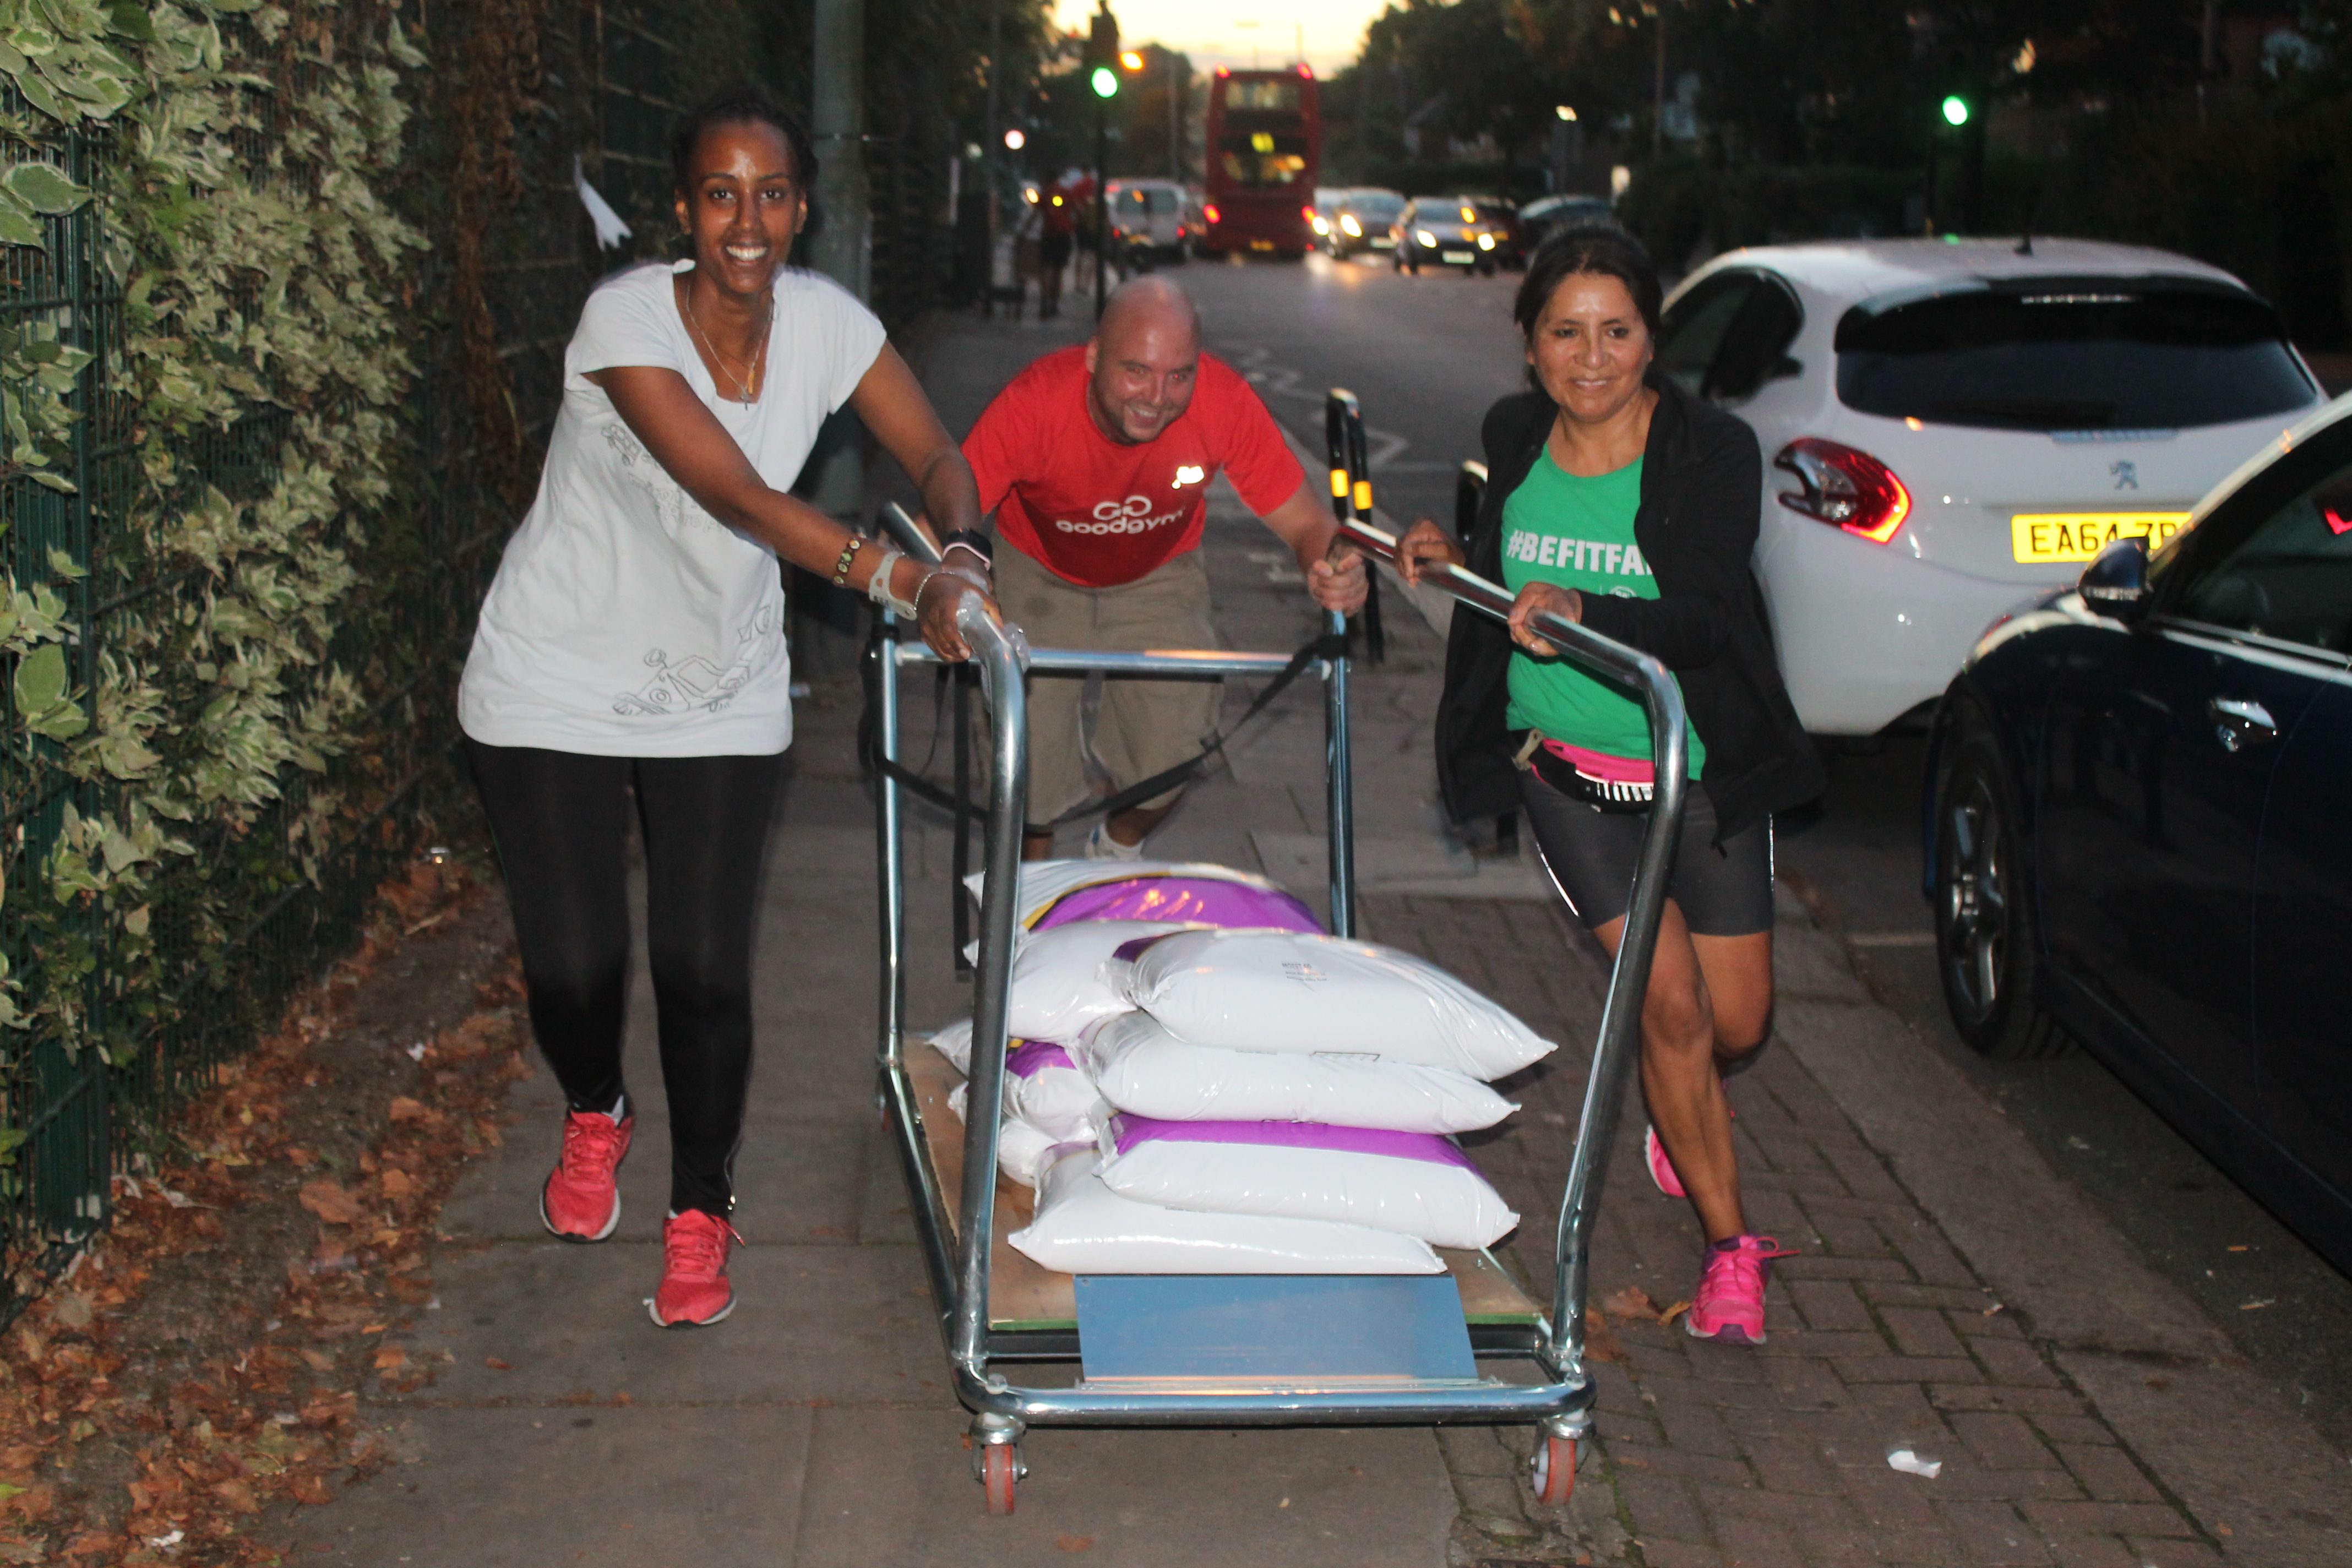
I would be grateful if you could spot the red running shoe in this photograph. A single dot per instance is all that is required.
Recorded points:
(1729, 1304)
(582, 1199)
(694, 1289)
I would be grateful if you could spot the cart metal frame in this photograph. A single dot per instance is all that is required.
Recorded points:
(958, 1255)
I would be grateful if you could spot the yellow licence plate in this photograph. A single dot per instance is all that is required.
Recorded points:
(2055, 536)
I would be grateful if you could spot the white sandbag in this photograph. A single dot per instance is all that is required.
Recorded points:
(1289, 990)
(1084, 1227)
(1023, 1152)
(1045, 883)
(953, 1041)
(1045, 1087)
(1057, 977)
(1138, 1066)
(1414, 1183)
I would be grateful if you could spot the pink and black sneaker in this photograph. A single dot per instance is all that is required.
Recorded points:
(582, 1199)
(1729, 1304)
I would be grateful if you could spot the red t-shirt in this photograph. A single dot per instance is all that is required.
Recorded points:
(1098, 512)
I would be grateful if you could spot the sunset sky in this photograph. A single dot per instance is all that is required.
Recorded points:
(1221, 32)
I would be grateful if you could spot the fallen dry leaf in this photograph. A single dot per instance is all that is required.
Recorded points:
(396, 1184)
(1670, 1313)
(1601, 1341)
(495, 1365)
(390, 1358)
(1632, 1304)
(1073, 1542)
(404, 1109)
(310, 1487)
(237, 1495)
(330, 1201)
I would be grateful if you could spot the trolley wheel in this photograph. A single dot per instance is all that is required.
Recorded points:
(1555, 1469)
(1000, 1468)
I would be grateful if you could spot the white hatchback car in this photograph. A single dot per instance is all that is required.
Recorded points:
(1950, 427)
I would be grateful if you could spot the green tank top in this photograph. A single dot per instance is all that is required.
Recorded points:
(1578, 533)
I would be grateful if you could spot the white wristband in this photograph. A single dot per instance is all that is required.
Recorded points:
(877, 588)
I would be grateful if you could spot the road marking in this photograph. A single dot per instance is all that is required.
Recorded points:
(1892, 939)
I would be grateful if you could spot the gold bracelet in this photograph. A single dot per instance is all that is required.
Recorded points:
(848, 553)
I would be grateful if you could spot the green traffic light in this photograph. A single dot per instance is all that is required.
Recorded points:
(1955, 110)
(1106, 82)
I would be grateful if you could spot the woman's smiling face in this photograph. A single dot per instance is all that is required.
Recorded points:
(1591, 346)
(744, 205)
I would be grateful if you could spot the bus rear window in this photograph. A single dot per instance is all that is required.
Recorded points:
(1280, 94)
(1263, 160)
(2073, 354)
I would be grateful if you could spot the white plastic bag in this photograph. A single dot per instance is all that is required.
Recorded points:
(1290, 991)
(1414, 1183)
(1084, 1227)
(1138, 1066)
(953, 1041)
(1057, 977)
(1044, 1087)
(1022, 1151)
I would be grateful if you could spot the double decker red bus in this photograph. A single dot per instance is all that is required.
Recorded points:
(1265, 147)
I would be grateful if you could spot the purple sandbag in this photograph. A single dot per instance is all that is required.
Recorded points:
(1128, 1130)
(1029, 1057)
(1199, 901)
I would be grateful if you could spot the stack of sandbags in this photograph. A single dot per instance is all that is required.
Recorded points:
(1259, 1097)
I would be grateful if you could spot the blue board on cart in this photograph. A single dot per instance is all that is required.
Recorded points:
(1255, 1326)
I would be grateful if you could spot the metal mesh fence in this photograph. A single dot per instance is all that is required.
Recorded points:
(611, 80)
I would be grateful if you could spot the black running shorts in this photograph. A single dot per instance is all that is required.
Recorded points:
(1591, 855)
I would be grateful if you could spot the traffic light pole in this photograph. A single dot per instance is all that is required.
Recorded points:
(1102, 200)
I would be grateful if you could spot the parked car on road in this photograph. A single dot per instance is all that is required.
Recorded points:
(1362, 220)
(1451, 231)
(1950, 427)
(2139, 825)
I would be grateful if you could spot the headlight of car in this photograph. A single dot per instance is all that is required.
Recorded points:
(1424, 236)
(1321, 226)
(1485, 242)
(1350, 227)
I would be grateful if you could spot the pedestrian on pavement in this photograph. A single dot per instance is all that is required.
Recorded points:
(1097, 461)
(632, 644)
(1057, 227)
(1621, 500)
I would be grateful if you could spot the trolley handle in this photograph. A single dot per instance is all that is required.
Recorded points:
(1629, 976)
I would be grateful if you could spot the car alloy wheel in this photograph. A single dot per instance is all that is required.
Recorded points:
(1984, 929)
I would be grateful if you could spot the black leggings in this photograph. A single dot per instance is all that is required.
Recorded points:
(561, 825)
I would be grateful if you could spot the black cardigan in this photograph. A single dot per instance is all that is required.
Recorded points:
(1697, 530)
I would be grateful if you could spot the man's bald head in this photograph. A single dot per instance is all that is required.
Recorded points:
(1143, 359)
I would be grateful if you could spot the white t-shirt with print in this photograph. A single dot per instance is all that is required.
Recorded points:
(625, 620)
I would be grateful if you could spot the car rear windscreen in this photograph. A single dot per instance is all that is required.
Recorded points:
(2071, 353)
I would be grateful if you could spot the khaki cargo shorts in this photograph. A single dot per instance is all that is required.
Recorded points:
(1140, 726)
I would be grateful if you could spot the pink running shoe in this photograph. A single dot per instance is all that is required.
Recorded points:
(582, 1199)
(1662, 1169)
(1729, 1305)
(694, 1289)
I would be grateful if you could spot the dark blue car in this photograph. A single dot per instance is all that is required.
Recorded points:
(2139, 826)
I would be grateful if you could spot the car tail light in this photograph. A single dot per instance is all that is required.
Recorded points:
(1306, 213)
(1211, 213)
(1852, 489)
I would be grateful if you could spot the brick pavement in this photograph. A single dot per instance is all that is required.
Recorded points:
(1881, 1335)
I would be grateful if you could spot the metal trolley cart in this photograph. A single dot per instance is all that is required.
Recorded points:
(998, 1310)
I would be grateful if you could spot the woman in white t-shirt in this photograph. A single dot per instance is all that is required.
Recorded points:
(632, 644)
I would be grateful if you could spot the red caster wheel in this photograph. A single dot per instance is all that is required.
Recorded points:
(1555, 1469)
(1000, 1468)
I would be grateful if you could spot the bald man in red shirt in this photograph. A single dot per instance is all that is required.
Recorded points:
(1096, 461)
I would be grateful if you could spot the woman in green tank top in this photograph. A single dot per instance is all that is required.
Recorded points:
(1564, 540)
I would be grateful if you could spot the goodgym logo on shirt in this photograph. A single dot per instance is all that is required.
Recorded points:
(1133, 515)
